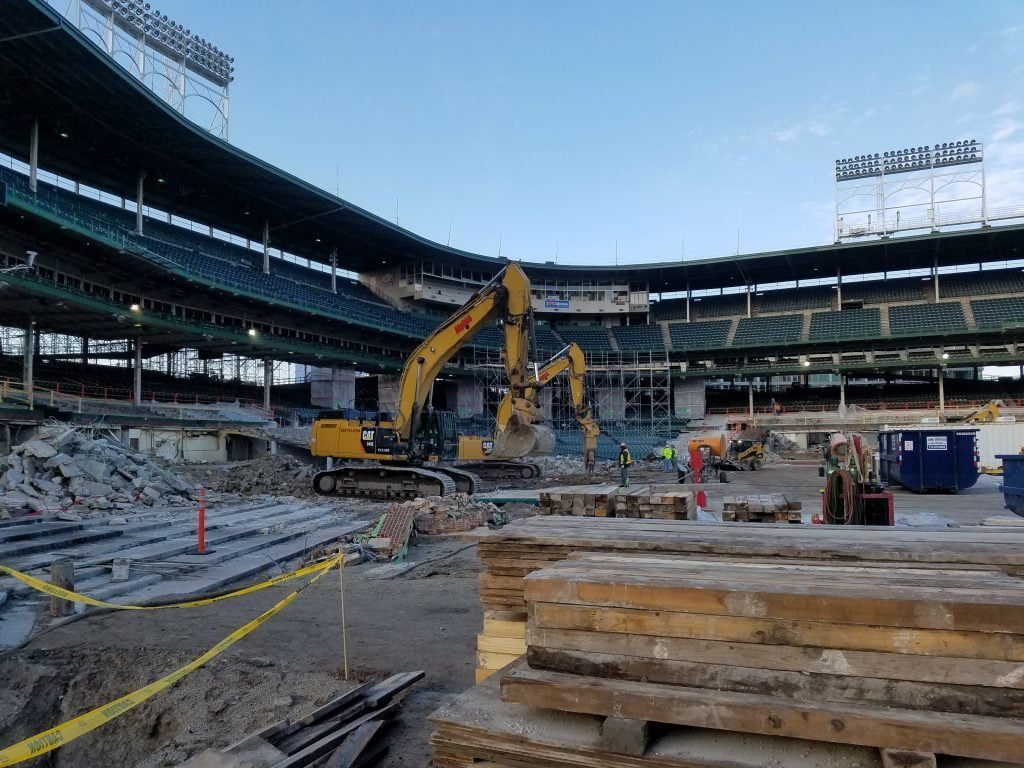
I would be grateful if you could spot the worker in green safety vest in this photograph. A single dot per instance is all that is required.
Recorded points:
(625, 462)
(668, 456)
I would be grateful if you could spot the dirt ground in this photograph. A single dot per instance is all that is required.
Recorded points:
(425, 620)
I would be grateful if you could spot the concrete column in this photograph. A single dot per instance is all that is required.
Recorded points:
(33, 156)
(935, 276)
(137, 372)
(748, 302)
(387, 392)
(750, 397)
(687, 301)
(29, 360)
(842, 391)
(139, 200)
(334, 271)
(942, 391)
(85, 350)
(839, 287)
(268, 380)
(266, 247)
(469, 399)
(333, 387)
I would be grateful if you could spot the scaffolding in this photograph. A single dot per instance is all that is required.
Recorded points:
(630, 393)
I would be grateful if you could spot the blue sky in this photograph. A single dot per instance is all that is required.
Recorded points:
(573, 125)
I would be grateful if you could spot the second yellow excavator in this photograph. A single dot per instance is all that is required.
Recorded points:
(497, 456)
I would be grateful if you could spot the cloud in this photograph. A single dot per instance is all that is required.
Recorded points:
(1004, 172)
(1005, 129)
(963, 91)
(1007, 108)
(817, 128)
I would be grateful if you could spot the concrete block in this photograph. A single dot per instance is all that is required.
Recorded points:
(899, 758)
(80, 487)
(38, 448)
(624, 736)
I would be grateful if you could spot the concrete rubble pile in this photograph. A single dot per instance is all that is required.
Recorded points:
(72, 474)
(435, 515)
(562, 466)
(278, 475)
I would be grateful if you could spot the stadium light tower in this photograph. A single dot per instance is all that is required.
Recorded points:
(185, 70)
(922, 187)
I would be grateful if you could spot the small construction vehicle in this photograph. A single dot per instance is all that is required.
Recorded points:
(719, 451)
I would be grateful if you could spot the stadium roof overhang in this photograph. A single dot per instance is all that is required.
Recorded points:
(100, 125)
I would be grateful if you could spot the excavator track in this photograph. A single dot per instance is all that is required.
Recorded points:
(465, 481)
(504, 470)
(379, 481)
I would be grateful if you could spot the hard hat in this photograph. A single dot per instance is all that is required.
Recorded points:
(622, 445)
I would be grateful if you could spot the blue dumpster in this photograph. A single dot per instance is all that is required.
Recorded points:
(1013, 482)
(929, 459)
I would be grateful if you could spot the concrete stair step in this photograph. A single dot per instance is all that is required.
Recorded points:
(248, 565)
(79, 536)
(136, 535)
(22, 532)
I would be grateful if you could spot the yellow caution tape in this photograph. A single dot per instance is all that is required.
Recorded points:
(47, 741)
(67, 594)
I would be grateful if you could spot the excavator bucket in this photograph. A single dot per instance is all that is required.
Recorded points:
(523, 440)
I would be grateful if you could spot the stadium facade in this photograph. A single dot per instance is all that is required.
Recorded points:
(157, 247)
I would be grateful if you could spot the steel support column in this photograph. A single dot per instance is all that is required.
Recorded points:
(266, 247)
(137, 372)
(139, 200)
(268, 380)
(29, 361)
(33, 156)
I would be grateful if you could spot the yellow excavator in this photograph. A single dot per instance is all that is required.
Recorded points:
(406, 454)
(987, 414)
(486, 457)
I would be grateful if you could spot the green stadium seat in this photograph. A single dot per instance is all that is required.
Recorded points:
(909, 319)
(847, 324)
(774, 329)
(709, 335)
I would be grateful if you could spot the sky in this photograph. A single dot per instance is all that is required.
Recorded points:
(590, 131)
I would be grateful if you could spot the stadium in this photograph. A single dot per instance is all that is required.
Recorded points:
(216, 277)
(198, 304)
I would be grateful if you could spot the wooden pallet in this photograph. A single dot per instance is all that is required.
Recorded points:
(919, 660)
(477, 729)
(512, 553)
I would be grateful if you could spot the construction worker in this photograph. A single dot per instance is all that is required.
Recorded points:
(625, 460)
(668, 456)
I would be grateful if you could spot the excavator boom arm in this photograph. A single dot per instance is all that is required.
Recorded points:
(507, 296)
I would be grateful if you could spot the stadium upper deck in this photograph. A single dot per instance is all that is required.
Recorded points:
(86, 120)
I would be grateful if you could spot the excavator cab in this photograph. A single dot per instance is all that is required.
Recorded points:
(437, 438)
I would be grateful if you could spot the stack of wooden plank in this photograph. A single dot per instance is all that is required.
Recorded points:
(346, 732)
(478, 729)
(511, 553)
(761, 508)
(645, 502)
(919, 660)
(580, 500)
(665, 502)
